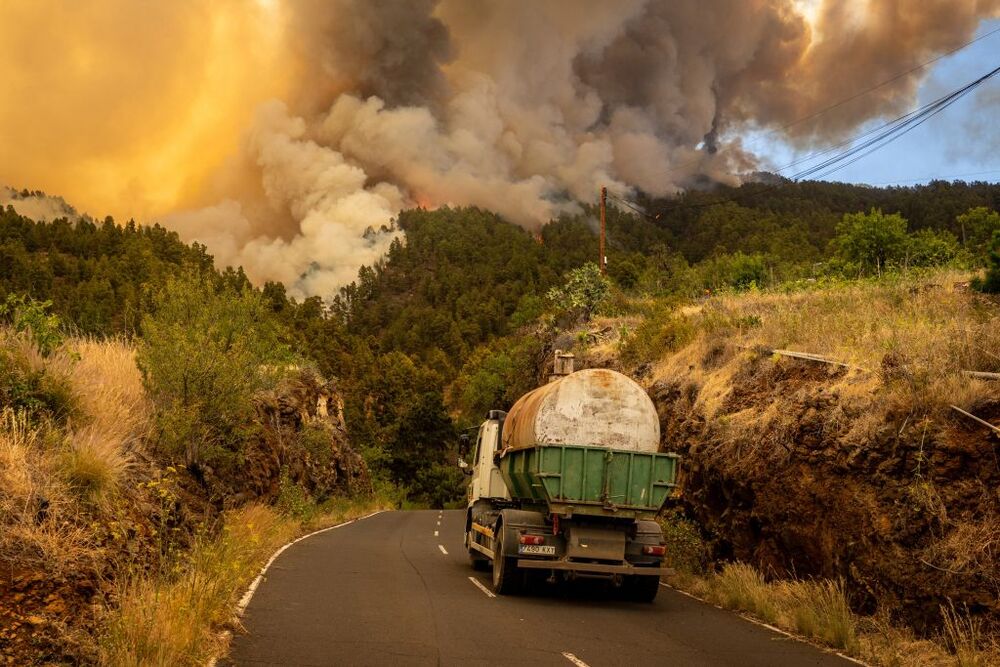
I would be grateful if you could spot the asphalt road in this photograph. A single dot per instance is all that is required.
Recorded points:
(397, 589)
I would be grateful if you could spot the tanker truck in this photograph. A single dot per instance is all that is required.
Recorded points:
(567, 484)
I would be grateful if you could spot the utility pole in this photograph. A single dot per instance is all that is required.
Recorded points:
(603, 263)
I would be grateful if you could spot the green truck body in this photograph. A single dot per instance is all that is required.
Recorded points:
(584, 480)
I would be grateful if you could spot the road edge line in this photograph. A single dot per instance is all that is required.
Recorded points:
(790, 635)
(575, 660)
(248, 595)
(244, 602)
(479, 585)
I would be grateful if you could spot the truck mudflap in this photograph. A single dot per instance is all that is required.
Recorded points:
(596, 568)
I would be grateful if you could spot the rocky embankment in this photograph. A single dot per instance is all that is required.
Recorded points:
(804, 470)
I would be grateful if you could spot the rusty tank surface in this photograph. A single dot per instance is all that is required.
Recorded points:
(594, 407)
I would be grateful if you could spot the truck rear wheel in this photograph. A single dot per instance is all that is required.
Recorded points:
(641, 588)
(505, 572)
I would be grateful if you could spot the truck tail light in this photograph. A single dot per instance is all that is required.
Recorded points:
(531, 539)
(654, 550)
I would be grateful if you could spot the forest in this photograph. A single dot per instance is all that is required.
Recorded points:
(447, 322)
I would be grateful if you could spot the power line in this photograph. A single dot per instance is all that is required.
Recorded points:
(883, 135)
(891, 131)
(938, 177)
(887, 81)
(847, 100)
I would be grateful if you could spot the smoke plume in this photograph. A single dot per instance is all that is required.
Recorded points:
(287, 134)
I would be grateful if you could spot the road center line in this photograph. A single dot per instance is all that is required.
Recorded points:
(575, 660)
(489, 593)
(443, 550)
(435, 533)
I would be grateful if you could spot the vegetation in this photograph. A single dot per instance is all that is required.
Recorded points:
(177, 619)
(206, 352)
(819, 610)
(584, 291)
(455, 320)
(991, 283)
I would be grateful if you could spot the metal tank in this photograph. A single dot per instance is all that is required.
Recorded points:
(595, 407)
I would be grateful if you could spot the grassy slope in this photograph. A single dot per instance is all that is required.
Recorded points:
(108, 554)
(861, 474)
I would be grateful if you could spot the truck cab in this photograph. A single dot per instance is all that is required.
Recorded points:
(486, 480)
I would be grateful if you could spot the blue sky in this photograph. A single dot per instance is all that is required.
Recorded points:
(962, 140)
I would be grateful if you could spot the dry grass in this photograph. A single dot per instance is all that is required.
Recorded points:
(915, 335)
(929, 331)
(176, 620)
(37, 509)
(108, 384)
(965, 637)
(66, 467)
(818, 610)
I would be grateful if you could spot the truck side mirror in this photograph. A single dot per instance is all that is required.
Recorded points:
(463, 444)
(463, 466)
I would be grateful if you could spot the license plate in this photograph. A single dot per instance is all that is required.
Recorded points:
(536, 549)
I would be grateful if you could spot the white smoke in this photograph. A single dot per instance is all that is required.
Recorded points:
(36, 205)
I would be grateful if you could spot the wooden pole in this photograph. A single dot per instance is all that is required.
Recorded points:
(974, 417)
(603, 262)
(982, 375)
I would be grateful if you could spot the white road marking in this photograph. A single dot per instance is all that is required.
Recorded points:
(435, 533)
(770, 627)
(575, 660)
(248, 595)
(443, 550)
(489, 593)
(439, 523)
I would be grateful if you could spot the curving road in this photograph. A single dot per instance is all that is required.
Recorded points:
(397, 589)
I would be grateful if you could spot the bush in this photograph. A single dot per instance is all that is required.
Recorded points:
(26, 384)
(737, 271)
(872, 240)
(657, 335)
(687, 551)
(32, 318)
(206, 351)
(496, 375)
(978, 226)
(991, 283)
(584, 291)
(928, 247)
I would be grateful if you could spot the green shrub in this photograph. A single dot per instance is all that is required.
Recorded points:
(928, 247)
(206, 351)
(872, 241)
(316, 440)
(496, 375)
(584, 291)
(687, 551)
(991, 283)
(978, 226)
(24, 386)
(31, 317)
(737, 271)
(658, 334)
(293, 500)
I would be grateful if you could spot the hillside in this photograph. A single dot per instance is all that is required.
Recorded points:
(101, 517)
(858, 471)
(784, 459)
